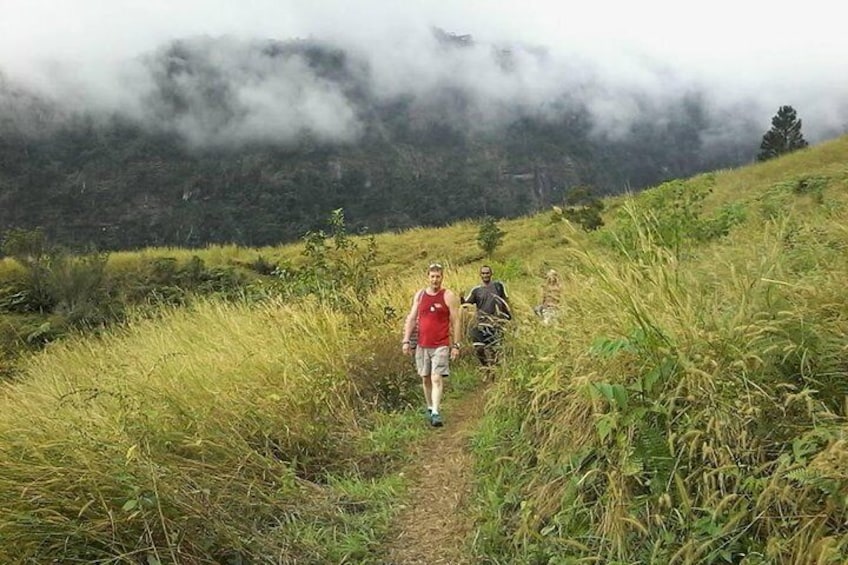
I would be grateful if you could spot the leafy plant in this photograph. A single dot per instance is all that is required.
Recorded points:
(77, 287)
(335, 263)
(583, 208)
(55, 281)
(490, 235)
(32, 251)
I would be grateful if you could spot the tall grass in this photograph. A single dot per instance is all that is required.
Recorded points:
(688, 406)
(201, 436)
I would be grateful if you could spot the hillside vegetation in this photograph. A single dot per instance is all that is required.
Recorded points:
(687, 404)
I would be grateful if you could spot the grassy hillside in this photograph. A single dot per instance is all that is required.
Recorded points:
(686, 405)
(689, 403)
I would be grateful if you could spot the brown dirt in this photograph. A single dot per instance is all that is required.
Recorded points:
(433, 525)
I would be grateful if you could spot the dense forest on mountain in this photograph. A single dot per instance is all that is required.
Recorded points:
(118, 182)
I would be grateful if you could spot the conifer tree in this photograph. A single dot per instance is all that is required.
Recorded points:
(784, 136)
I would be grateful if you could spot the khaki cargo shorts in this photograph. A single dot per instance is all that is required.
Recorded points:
(432, 360)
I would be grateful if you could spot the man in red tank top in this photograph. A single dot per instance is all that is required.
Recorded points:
(435, 312)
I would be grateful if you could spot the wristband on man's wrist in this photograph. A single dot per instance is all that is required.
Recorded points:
(405, 342)
(457, 345)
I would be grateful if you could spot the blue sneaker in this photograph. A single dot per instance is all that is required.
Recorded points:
(436, 420)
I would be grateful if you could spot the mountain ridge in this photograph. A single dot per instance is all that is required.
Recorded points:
(155, 174)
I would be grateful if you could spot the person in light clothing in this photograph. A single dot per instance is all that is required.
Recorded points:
(548, 308)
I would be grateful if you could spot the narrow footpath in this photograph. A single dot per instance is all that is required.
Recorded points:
(433, 526)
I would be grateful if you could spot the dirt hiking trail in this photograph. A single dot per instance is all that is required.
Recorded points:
(433, 524)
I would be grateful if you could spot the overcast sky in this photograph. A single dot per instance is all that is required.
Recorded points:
(745, 53)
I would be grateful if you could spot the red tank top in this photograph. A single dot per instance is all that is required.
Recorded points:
(433, 320)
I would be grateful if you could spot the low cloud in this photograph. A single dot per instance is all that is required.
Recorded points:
(278, 71)
(223, 91)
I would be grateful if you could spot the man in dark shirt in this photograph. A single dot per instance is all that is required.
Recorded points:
(492, 312)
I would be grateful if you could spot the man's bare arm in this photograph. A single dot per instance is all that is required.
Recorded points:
(409, 325)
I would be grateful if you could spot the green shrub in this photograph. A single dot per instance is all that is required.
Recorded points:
(490, 236)
(583, 208)
(587, 217)
(32, 251)
(334, 264)
(78, 290)
(812, 185)
(263, 266)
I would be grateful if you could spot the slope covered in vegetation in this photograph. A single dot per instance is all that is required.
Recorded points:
(687, 404)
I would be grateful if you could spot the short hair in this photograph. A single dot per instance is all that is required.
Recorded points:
(435, 267)
(491, 271)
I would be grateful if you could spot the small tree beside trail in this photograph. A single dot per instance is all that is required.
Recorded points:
(784, 136)
(490, 235)
(334, 263)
